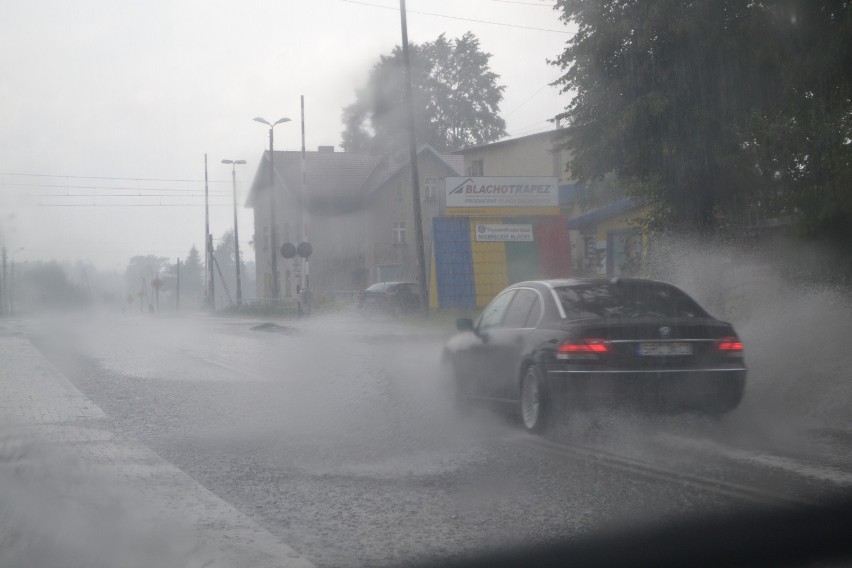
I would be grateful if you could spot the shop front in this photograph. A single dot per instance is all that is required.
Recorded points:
(495, 231)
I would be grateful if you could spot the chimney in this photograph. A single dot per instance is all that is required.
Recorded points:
(326, 149)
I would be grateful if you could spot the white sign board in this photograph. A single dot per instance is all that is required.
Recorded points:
(502, 192)
(489, 232)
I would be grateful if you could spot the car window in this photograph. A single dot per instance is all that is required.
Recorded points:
(534, 314)
(380, 287)
(518, 312)
(625, 299)
(493, 313)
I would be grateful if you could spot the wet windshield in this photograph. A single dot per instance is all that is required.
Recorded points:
(243, 246)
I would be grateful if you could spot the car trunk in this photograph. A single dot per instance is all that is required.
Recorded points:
(673, 343)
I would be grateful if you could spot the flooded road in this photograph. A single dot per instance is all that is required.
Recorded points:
(336, 437)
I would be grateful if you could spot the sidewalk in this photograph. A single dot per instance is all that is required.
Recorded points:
(74, 494)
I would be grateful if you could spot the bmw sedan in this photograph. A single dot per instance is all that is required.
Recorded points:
(546, 347)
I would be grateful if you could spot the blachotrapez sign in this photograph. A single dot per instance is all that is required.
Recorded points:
(502, 192)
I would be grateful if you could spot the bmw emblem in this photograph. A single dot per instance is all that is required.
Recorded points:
(665, 332)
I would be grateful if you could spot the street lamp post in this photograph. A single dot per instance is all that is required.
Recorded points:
(234, 164)
(274, 230)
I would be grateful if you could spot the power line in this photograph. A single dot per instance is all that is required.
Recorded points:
(128, 188)
(193, 205)
(460, 18)
(113, 178)
(531, 97)
(90, 196)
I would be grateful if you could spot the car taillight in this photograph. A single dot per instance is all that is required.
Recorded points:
(729, 344)
(589, 348)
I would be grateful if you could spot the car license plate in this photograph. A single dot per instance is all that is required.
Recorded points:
(664, 349)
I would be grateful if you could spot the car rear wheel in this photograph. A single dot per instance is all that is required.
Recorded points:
(534, 407)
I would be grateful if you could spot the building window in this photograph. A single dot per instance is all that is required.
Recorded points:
(399, 233)
(477, 168)
(430, 189)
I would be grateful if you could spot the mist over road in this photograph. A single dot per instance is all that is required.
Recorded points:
(336, 436)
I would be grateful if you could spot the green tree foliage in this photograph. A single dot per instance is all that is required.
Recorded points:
(710, 108)
(226, 258)
(803, 143)
(139, 274)
(456, 99)
(46, 285)
(191, 281)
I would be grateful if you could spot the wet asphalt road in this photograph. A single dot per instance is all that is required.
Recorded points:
(336, 435)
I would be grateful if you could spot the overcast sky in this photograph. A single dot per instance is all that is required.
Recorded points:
(140, 91)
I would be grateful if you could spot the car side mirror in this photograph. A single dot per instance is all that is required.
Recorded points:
(464, 324)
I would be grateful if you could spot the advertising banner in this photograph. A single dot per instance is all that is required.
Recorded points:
(492, 232)
(535, 191)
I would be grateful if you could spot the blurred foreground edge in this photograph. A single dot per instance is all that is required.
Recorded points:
(791, 536)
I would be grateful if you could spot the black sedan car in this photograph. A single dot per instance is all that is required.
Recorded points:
(392, 298)
(546, 347)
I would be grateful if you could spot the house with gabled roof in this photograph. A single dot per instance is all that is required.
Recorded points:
(357, 212)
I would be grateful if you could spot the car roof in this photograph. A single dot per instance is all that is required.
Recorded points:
(563, 282)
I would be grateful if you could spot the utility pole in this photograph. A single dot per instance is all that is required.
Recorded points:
(212, 298)
(11, 290)
(306, 284)
(415, 175)
(234, 164)
(208, 238)
(177, 288)
(3, 284)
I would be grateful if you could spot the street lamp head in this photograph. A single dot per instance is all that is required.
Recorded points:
(262, 120)
(227, 161)
(280, 120)
(239, 162)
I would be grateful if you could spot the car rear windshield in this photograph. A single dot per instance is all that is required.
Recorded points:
(381, 287)
(626, 299)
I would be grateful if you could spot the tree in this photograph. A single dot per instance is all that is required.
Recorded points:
(46, 284)
(226, 259)
(456, 99)
(662, 90)
(141, 272)
(804, 143)
(706, 108)
(190, 275)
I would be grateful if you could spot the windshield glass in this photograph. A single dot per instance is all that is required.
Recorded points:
(625, 299)
(243, 246)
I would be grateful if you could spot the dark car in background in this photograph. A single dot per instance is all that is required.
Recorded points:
(544, 348)
(392, 298)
